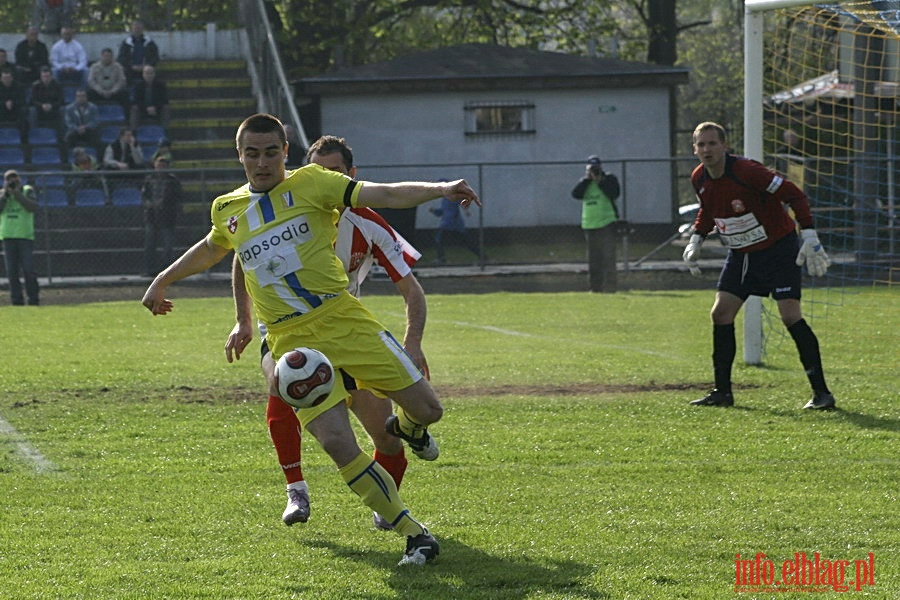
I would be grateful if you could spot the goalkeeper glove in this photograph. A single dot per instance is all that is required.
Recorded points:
(812, 254)
(692, 253)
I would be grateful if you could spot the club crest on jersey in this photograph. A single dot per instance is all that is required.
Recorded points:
(737, 206)
(232, 224)
(356, 259)
(276, 266)
(287, 199)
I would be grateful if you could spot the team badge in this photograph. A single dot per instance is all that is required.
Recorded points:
(287, 199)
(738, 206)
(232, 224)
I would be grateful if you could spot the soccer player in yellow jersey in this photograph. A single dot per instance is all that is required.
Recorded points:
(281, 226)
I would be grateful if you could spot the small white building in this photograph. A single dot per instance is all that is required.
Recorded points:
(517, 123)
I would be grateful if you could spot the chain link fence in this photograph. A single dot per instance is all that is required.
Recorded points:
(91, 224)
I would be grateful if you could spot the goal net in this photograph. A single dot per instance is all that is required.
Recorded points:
(822, 99)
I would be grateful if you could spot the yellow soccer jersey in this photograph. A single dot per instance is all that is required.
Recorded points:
(284, 239)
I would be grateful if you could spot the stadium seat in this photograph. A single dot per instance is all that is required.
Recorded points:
(69, 94)
(11, 157)
(9, 136)
(111, 113)
(45, 155)
(42, 136)
(126, 196)
(109, 133)
(149, 134)
(90, 197)
(55, 197)
(49, 181)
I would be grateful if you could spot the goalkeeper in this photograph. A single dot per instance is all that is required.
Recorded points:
(748, 203)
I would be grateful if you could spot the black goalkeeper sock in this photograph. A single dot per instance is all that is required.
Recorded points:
(808, 347)
(724, 349)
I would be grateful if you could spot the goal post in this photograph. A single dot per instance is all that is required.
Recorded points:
(822, 104)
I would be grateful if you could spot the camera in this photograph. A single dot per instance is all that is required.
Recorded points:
(596, 170)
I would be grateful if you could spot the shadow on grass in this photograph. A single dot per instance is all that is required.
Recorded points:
(461, 571)
(861, 420)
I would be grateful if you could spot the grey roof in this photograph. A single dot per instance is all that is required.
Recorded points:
(490, 67)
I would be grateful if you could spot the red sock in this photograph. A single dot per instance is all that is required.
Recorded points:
(395, 464)
(285, 431)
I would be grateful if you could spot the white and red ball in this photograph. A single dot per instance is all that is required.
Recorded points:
(304, 377)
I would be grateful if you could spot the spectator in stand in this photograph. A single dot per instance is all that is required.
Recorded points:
(4, 60)
(161, 194)
(107, 81)
(151, 100)
(47, 100)
(50, 16)
(12, 102)
(82, 164)
(31, 55)
(68, 59)
(123, 154)
(136, 51)
(82, 119)
(163, 148)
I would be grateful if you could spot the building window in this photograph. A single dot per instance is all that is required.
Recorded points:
(493, 118)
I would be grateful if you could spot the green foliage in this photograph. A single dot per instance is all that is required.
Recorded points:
(571, 468)
(113, 15)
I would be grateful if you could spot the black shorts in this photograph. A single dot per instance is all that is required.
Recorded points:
(772, 271)
(349, 382)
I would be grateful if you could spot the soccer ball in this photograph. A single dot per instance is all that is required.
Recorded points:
(304, 377)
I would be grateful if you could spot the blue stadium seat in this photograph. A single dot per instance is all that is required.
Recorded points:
(69, 93)
(90, 197)
(149, 134)
(109, 133)
(111, 113)
(45, 155)
(42, 136)
(11, 157)
(126, 196)
(9, 136)
(55, 197)
(49, 181)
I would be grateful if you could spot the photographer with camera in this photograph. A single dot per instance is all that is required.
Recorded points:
(598, 191)
(18, 204)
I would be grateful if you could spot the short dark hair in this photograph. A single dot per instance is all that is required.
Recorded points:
(707, 125)
(329, 144)
(261, 123)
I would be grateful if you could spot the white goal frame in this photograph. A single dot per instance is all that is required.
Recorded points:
(753, 140)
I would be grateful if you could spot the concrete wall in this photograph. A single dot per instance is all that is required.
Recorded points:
(210, 44)
(429, 130)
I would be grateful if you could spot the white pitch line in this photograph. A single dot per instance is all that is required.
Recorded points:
(24, 449)
(510, 332)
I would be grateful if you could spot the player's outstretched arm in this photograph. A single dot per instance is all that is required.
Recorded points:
(196, 259)
(242, 332)
(413, 193)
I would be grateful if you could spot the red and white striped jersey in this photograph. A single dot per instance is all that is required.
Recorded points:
(364, 238)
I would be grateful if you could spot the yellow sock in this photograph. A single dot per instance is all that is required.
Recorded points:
(377, 489)
(408, 426)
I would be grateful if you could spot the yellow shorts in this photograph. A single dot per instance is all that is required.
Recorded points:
(353, 340)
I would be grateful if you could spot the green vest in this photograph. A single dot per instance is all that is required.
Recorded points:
(596, 209)
(15, 221)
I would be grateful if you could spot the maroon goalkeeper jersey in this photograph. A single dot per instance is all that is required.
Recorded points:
(748, 204)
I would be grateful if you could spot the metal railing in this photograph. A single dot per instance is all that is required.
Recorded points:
(275, 92)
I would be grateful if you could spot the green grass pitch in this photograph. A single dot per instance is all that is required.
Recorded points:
(136, 463)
